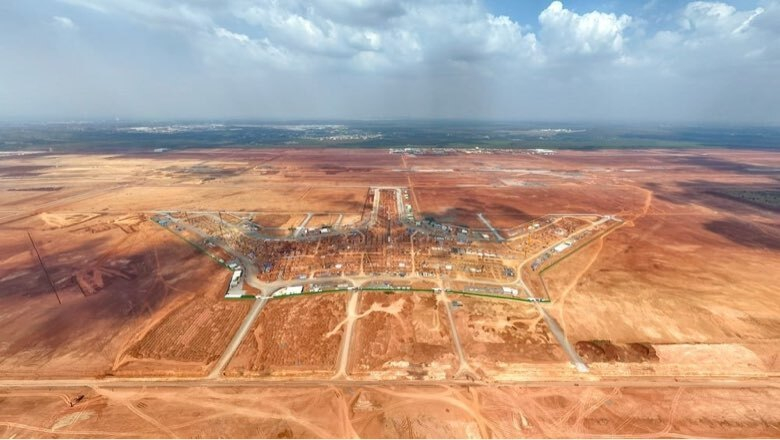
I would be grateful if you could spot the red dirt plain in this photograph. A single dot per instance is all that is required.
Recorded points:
(117, 280)
(690, 275)
(504, 337)
(687, 274)
(402, 335)
(390, 412)
(293, 337)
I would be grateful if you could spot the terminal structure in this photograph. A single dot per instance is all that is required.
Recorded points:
(389, 248)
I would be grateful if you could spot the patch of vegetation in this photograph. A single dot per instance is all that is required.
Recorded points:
(762, 198)
(43, 188)
(143, 137)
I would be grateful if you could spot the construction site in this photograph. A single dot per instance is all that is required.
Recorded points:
(388, 293)
(389, 242)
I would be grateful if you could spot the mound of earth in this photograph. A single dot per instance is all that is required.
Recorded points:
(606, 351)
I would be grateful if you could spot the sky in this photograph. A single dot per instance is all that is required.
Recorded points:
(653, 61)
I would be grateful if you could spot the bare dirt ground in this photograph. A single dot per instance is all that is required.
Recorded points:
(322, 220)
(503, 338)
(272, 220)
(686, 276)
(293, 337)
(102, 284)
(402, 335)
(685, 288)
(335, 199)
(189, 339)
(506, 205)
(390, 412)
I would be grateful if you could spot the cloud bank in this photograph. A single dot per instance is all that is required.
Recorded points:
(700, 61)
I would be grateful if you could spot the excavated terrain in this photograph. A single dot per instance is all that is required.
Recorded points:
(113, 325)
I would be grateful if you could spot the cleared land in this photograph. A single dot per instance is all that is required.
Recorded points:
(682, 288)
(504, 338)
(691, 293)
(293, 337)
(390, 412)
(189, 339)
(106, 292)
(402, 335)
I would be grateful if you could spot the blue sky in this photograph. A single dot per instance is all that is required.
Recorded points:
(658, 11)
(655, 60)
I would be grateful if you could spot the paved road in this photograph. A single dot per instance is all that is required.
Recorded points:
(519, 278)
(555, 329)
(399, 205)
(269, 288)
(492, 229)
(303, 224)
(411, 253)
(214, 379)
(375, 208)
(231, 349)
(250, 269)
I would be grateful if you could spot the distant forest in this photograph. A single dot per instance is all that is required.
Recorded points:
(149, 135)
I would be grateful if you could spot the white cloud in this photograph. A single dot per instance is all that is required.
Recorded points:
(567, 32)
(312, 33)
(746, 23)
(717, 18)
(398, 32)
(224, 33)
(708, 11)
(175, 15)
(457, 54)
(88, 4)
(64, 22)
(236, 48)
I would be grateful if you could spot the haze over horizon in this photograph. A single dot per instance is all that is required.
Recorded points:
(712, 62)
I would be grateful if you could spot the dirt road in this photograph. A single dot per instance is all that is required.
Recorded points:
(628, 381)
(91, 192)
(464, 370)
(343, 359)
(231, 349)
